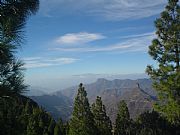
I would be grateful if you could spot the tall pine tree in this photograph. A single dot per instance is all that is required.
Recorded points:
(16, 118)
(123, 121)
(60, 128)
(13, 16)
(40, 123)
(82, 122)
(102, 121)
(165, 49)
(151, 123)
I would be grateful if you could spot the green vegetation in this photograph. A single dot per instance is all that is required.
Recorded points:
(18, 115)
(60, 128)
(102, 121)
(82, 121)
(151, 123)
(166, 51)
(13, 16)
(40, 123)
(123, 121)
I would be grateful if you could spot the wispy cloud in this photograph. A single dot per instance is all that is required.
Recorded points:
(78, 38)
(95, 49)
(108, 9)
(36, 62)
(31, 58)
(138, 35)
(136, 43)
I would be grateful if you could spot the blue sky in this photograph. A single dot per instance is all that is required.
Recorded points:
(74, 37)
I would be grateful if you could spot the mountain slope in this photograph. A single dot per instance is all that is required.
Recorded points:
(59, 107)
(101, 85)
(35, 91)
(137, 101)
(138, 94)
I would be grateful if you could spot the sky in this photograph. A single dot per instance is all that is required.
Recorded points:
(88, 37)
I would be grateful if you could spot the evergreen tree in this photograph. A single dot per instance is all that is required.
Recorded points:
(51, 126)
(165, 49)
(40, 123)
(152, 123)
(82, 122)
(17, 117)
(13, 117)
(102, 121)
(66, 125)
(57, 130)
(123, 121)
(13, 15)
(60, 128)
(7, 117)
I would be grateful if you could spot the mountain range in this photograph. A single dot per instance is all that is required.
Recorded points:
(138, 94)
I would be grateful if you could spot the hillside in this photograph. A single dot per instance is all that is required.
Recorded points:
(58, 106)
(138, 97)
(138, 94)
(35, 91)
(101, 85)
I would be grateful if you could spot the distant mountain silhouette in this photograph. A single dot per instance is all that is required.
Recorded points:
(35, 91)
(137, 101)
(101, 85)
(138, 94)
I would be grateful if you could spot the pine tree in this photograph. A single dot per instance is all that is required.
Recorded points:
(13, 118)
(34, 124)
(165, 49)
(60, 128)
(102, 121)
(66, 125)
(13, 16)
(123, 121)
(152, 123)
(16, 117)
(82, 122)
(51, 126)
(40, 123)
(57, 130)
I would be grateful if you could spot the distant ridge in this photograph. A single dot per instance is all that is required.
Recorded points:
(138, 94)
(101, 85)
(139, 99)
(35, 91)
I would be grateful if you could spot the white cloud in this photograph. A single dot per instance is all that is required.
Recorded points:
(108, 9)
(78, 38)
(31, 58)
(138, 35)
(95, 49)
(136, 43)
(63, 60)
(36, 62)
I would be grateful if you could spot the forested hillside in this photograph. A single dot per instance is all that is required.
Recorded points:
(57, 106)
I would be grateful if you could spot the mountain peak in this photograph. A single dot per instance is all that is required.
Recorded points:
(102, 80)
